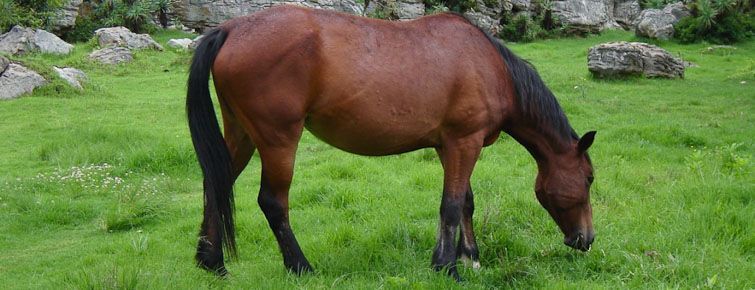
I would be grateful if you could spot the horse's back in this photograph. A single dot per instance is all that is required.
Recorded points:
(364, 85)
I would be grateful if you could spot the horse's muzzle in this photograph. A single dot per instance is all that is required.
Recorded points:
(580, 241)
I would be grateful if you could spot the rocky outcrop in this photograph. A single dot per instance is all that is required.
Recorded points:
(72, 76)
(485, 22)
(65, 17)
(585, 15)
(122, 37)
(4, 62)
(20, 40)
(203, 14)
(659, 24)
(633, 58)
(396, 9)
(520, 5)
(17, 80)
(112, 55)
(487, 14)
(625, 12)
(182, 43)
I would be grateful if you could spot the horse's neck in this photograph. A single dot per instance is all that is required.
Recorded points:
(543, 145)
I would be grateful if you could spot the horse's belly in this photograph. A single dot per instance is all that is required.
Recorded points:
(372, 135)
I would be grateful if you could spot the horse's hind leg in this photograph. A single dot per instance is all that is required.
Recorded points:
(236, 138)
(209, 252)
(277, 157)
(458, 157)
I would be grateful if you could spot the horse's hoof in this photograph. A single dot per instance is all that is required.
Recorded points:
(470, 263)
(301, 269)
(211, 263)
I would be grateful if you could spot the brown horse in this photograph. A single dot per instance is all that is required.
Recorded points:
(373, 87)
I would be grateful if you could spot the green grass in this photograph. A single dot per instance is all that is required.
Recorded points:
(101, 189)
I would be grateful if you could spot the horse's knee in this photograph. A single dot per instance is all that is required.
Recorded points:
(271, 207)
(451, 210)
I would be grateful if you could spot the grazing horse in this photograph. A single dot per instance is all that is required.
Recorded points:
(373, 87)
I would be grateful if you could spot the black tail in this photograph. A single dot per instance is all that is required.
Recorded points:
(209, 145)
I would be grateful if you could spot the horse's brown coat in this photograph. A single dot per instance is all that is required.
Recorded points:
(374, 87)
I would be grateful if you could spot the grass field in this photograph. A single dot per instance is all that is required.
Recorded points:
(100, 189)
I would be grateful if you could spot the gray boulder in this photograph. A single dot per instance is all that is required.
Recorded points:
(485, 22)
(20, 40)
(204, 14)
(72, 76)
(409, 9)
(17, 80)
(182, 43)
(65, 17)
(633, 58)
(520, 5)
(585, 15)
(659, 24)
(4, 62)
(195, 42)
(625, 12)
(121, 36)
(112, 55)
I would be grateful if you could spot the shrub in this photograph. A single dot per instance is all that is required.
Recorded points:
(521, 28)
(29, 13)
(525, 28)
(136, 15)
(716, 21)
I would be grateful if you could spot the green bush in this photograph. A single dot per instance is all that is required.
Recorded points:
(521, 28)
(136, 15)
(716, 21)
(34, 13)
(526, 28)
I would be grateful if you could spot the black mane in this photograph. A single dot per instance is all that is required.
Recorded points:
(536, 101)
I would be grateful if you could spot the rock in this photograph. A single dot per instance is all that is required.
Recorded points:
(493, 9)
(112, 55)
(121, 36)
(484, 22)
(17, 80)
(397, 9)
(410, 9)
(71, 75)
(585, 15)
(4, 62)
(659, 24)
(633, 58)
(195, 42)
(520, 5)
(182, 43)
(721, 49)
(625, 12)
(20, 40)
(204, 14)
(65, 17)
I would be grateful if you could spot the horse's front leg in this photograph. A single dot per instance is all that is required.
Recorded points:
(458, 157)
(467, 248)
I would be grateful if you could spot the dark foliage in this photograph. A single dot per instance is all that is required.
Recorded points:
(717, 21)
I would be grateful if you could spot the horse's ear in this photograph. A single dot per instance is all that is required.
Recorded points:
(586, 141)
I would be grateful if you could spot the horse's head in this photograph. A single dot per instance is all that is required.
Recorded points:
(563, 189)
